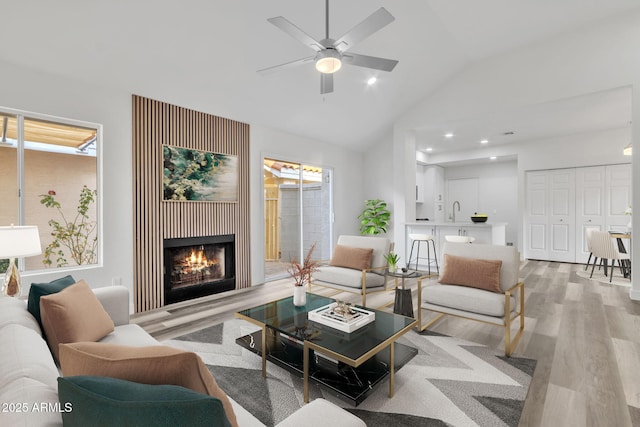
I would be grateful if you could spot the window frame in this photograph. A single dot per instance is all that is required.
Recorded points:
(21, 115)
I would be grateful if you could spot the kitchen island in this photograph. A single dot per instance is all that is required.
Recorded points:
(493, 233)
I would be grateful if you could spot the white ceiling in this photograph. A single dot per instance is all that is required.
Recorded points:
(204, 54)
(587, 113)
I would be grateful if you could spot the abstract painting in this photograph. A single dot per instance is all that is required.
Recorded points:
(202, 176)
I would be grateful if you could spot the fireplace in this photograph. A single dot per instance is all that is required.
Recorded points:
(198, 266)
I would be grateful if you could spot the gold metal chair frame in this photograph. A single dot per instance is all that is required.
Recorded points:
(360, 291)
(509, 342)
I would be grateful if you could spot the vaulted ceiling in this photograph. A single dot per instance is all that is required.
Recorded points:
(204, 54)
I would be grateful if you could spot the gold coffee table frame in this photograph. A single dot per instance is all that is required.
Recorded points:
(259, 318)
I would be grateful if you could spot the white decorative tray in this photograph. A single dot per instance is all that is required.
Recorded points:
(327, 316)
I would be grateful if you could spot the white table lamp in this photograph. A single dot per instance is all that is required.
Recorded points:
(17, 242)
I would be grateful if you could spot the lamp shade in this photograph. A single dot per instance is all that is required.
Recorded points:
(19, 241)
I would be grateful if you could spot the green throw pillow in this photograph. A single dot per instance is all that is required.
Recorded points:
(102, 401)
(38, 290)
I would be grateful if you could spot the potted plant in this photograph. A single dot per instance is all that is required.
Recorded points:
(392, 259)
(375, 217)
(301, 274)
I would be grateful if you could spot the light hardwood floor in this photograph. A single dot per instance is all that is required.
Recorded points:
(584, 334)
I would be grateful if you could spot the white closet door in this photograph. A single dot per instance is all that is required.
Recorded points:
(562, 241)
(537, 216)
(590, 202)
(618, 185)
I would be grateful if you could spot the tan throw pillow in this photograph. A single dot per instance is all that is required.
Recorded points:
(74, 314)
(350, 257)
(476, 273)
(146, 365)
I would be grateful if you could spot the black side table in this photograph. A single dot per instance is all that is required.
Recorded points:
(403, 303)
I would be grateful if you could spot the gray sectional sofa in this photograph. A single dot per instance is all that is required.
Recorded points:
(28, 373)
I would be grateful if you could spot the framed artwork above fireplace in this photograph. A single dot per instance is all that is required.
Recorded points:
(201, 176)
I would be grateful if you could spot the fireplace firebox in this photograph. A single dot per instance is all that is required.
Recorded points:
(198, 266)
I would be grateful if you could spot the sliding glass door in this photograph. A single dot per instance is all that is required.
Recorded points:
(297, 214)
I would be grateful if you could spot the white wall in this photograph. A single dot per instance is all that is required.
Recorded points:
(568, 65)
(348, 196)
(378, 176)
(38, 92)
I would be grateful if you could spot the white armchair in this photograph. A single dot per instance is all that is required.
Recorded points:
(349, 270)
(499, 306)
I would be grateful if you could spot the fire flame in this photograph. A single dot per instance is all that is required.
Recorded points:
(198, 261)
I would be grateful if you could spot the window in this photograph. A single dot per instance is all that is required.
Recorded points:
(48, 176)
(298, 206)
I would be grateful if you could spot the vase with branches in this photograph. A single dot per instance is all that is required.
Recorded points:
(74, 237)
(301, 273)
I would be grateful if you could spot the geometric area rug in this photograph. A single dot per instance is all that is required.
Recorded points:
(450, 382)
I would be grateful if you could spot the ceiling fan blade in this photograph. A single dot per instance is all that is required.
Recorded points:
(377, 20)
(326, 83)
(286, 65)
(295, 32)
(374, 62)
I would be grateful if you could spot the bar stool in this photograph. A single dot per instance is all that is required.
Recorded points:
(427, 238)
(459, 239)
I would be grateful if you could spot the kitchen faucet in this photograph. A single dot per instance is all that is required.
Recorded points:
(453, 209)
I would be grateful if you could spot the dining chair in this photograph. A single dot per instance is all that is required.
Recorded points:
(588, 232)
(603, 247)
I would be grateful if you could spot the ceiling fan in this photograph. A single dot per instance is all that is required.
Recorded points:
(330, 53)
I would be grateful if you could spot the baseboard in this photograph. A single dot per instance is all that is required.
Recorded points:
(634, 294)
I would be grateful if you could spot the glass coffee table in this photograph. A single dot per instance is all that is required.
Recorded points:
(350, 365)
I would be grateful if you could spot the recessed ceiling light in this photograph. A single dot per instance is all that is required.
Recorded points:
(484, 141)
(492, 158)
(429, 149)
(371, 81)
(448, 135)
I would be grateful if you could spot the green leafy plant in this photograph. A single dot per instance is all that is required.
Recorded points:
(76, 238)
(375, 217)
(392, 259)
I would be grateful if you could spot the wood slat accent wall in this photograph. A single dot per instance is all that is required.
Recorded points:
(156, 123)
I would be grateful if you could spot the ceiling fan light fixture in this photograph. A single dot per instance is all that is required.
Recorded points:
(328, 61)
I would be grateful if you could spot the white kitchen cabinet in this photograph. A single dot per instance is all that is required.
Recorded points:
(491, 233)
(435, 179)
(420, 183)
(482, 235)
(419, 193)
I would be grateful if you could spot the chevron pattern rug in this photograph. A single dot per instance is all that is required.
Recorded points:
(451, 382)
